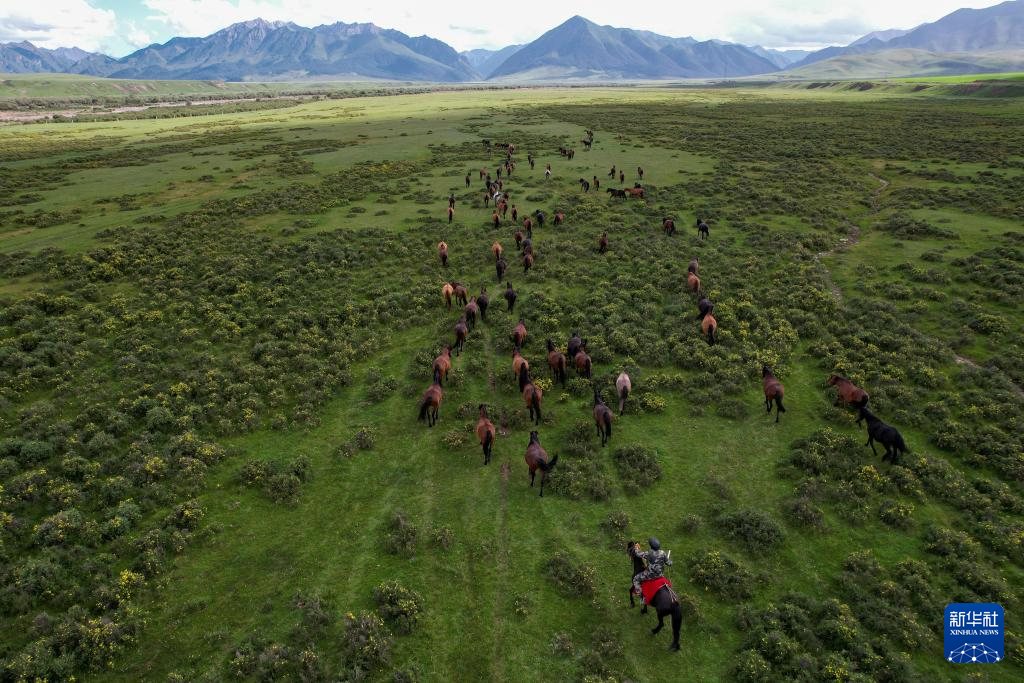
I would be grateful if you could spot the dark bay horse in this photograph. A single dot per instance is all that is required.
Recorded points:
(693, 282)
(519, 334)
(602, 418)
(847, 392)
(461, 332)
(443, 363)
(430, 404)
(500, 266)
(510, 296)
(519, 365)
(461, 293)
(532, 395)
(537, 458)
(773, 391)
(575, 343)
(557, 363)
(485, 432)
(584, 366)
(663, 602)
(669, 226)
(704, 307)
(884, 434)
(483, 301)
(527, 262)
(602, 243)
(471, 309)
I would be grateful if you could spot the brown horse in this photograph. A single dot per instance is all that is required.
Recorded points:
(446, 291)
(693, 283)
(669, 226)
(527, 262)
(461, 332)
(496, 249)
(510, 296)
(431, 402)
(602, 418)
(519, 364)
(602, 243)
(519, 238)
(500, 266)
(519, 333)
(443, 363)
(496, 219)
(559, 218)
(584, 366)
(623, 385)
(532, 395)
(537, 457)
(528, 226)
(637, 192)
(485, 432)
(442, 251)
(471, 311)
(773, 391)
(451, 214)
(694, 265)
(461, 293)
(557, 363)
(528, 246)
(848, 393)
(483, 301)
(709, 326)
(574, 345)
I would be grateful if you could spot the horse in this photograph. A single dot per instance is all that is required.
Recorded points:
(694, 265)
(519, 233)
(497, 219)
(584, 185)
(704, 307)
(540, 216)
(602, 243)
(532, 395)
(884, 434)
(709, 326)
(471, 309)
(528, 245)
(773, 391)
(703, 231)
(443, 363)
(483, 301)
(519, 364)
(584, 366)
(446, 291)
(527, 263)
(669, 226)
(461, 293)
(847, 392)
(500, 266)
(559, 218)
(587, 143)
(519, 333)
(623, 385)
(557, 363)
(537, 457)
(602, 418)
(442, 251)
(616, 194)
(485, 432)
(622, 176)
(510, 296)
(575, 343)
(640, 172)
(451, 214)
(637, 192)
(693, 282)
(611, 173)
(430, 404)
(663, 602)
(461, 332)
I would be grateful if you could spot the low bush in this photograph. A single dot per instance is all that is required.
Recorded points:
(398, 605)
(637, 465)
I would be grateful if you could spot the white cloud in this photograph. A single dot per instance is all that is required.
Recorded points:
(56, 23)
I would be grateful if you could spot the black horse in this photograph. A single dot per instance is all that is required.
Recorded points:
(664, 601)
(883, 434)
(510, 296)
(703, 231)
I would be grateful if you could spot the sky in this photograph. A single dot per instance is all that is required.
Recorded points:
(117, 27)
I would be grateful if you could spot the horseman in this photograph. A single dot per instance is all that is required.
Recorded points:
(656, 559)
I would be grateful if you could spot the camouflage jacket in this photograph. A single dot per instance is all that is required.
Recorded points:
(656, 561)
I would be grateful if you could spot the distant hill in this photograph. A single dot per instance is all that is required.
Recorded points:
(24, 57)
(966, 30)
(486, 61)
(264, 50)
(910, 62)
(580, 49)
(780, 58)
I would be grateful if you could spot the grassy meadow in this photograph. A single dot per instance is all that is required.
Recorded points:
(214, 334)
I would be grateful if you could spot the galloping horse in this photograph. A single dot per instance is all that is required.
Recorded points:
(623, 385)
(485, 432)
(709, 326)
(496, 249)
(602, 243)
(532, 395)
(519, 333)
(602, 418)
(537, 457)
(461, 332)
(500, 266)
(461, 293)
(773, 391)
(637, 192)
(443, 363)
(704, 307)
(446, 291)
(510, 296)
(884, 434)
(527, 262)
(847, 392)
(583, 362)
(483, 301)
(471, 309)
(616, 194)
(431, 402)
(442, 251)
(693, 282)
(663, 602)
(518, 365)
(557, 363)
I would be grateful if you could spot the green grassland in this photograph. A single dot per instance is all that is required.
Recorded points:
(965, 78)
(214, 335)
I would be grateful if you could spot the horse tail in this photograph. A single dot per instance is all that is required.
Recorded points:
(711, 335)
(535, 401)
(550, 465)
(424, 407)
(677, 621)
(778, 402)
(488, 441)
(623, 395)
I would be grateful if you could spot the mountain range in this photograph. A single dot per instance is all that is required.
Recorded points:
(577, 49)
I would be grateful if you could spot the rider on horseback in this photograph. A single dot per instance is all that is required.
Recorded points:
(656, 559)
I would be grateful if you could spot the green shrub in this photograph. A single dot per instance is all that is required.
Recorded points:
(722, 574)
(754, 530)
(398, 605)
(637, 465)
